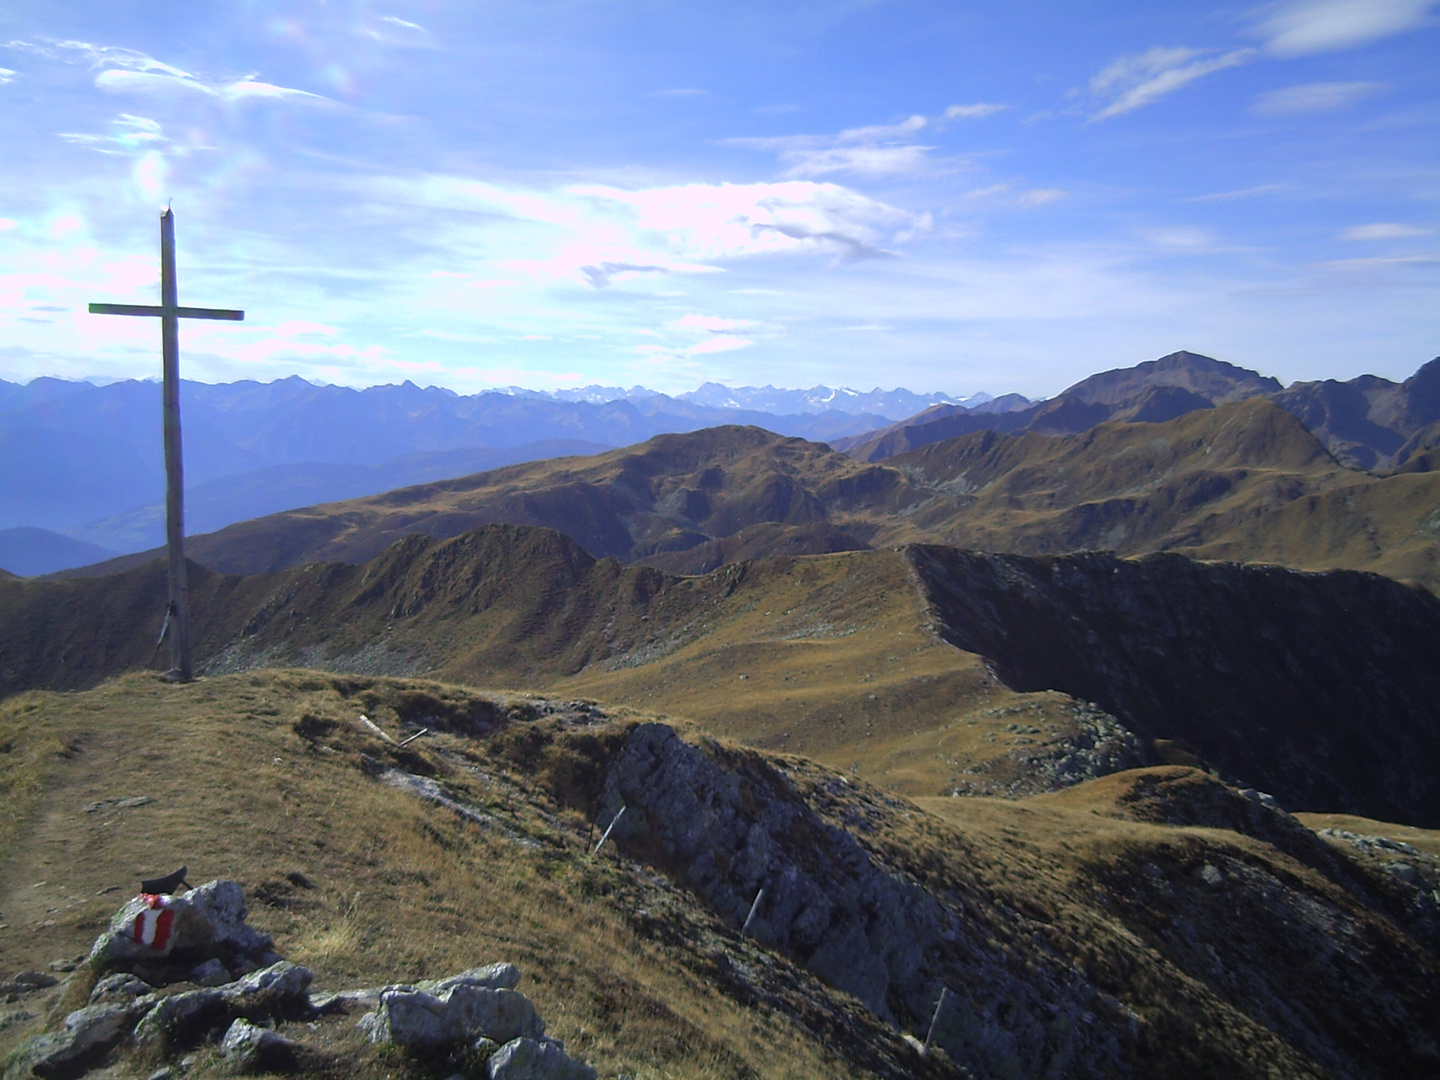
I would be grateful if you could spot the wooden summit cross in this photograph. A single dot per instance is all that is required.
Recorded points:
(177, 615)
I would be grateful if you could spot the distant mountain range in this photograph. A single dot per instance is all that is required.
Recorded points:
(85, 461)
(82, 463)
(892, 404)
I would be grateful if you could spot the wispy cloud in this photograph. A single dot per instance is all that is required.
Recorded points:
(1313, 97)
(978, 111)
(1383, 231)
(1039, 196)
(873, 150)
(125, 71)
(1303, 27)
(6, 76)
(712, 324)
(1135, 81)
(128, 134)
(406, 24)
(1242, 193)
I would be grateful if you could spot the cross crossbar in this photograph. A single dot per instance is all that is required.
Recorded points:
(159, 310)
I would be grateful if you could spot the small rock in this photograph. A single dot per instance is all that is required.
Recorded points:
(536, 1059)
(211, 973)
(1405, 872)
(118, 803)
(38, 979)
(345, 1000)
(248, 1048)
(121, 986)
(1210, 875)
(182, 1019)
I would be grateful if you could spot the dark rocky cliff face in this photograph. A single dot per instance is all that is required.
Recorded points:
(1322, 689)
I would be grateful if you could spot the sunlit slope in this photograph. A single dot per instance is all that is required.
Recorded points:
(832, 656)
(1242, 481)
(1229, 482)
(1150, 924)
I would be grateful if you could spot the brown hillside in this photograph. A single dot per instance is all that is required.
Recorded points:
(1243, 481)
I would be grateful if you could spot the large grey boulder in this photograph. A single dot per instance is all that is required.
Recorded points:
(163, 938)
(460, 1015)
(536, 1059)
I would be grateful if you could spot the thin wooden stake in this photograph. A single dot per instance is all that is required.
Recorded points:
(930, 1035)
(606, 835)
(753, 909)
(412, 738)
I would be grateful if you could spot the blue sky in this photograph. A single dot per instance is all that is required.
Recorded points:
(945, 196)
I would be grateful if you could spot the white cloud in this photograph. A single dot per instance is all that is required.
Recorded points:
(1313, 97)
(1140, 79)
(600, 234)
(6, 76)
(1383, 231)
(1302, 27)
(395, 20)
(978, 111)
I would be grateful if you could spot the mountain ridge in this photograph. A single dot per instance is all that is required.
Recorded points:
(1364, 422)
(1242, 482)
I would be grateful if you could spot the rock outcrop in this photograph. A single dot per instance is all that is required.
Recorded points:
(177, 972)
(727, 824)
(165, 939)
(1319, 688)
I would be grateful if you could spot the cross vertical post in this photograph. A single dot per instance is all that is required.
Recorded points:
(177, 614)
(182, 657)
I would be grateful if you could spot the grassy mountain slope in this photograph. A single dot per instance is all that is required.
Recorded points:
(844, 657)
(1242, 481)
(1149, 924)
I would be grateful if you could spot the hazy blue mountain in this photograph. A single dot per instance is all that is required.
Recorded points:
(85, 458)
(28, 552)
(242, 496)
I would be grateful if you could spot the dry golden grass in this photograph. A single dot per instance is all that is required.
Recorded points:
(264, 777)
(402, 890)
